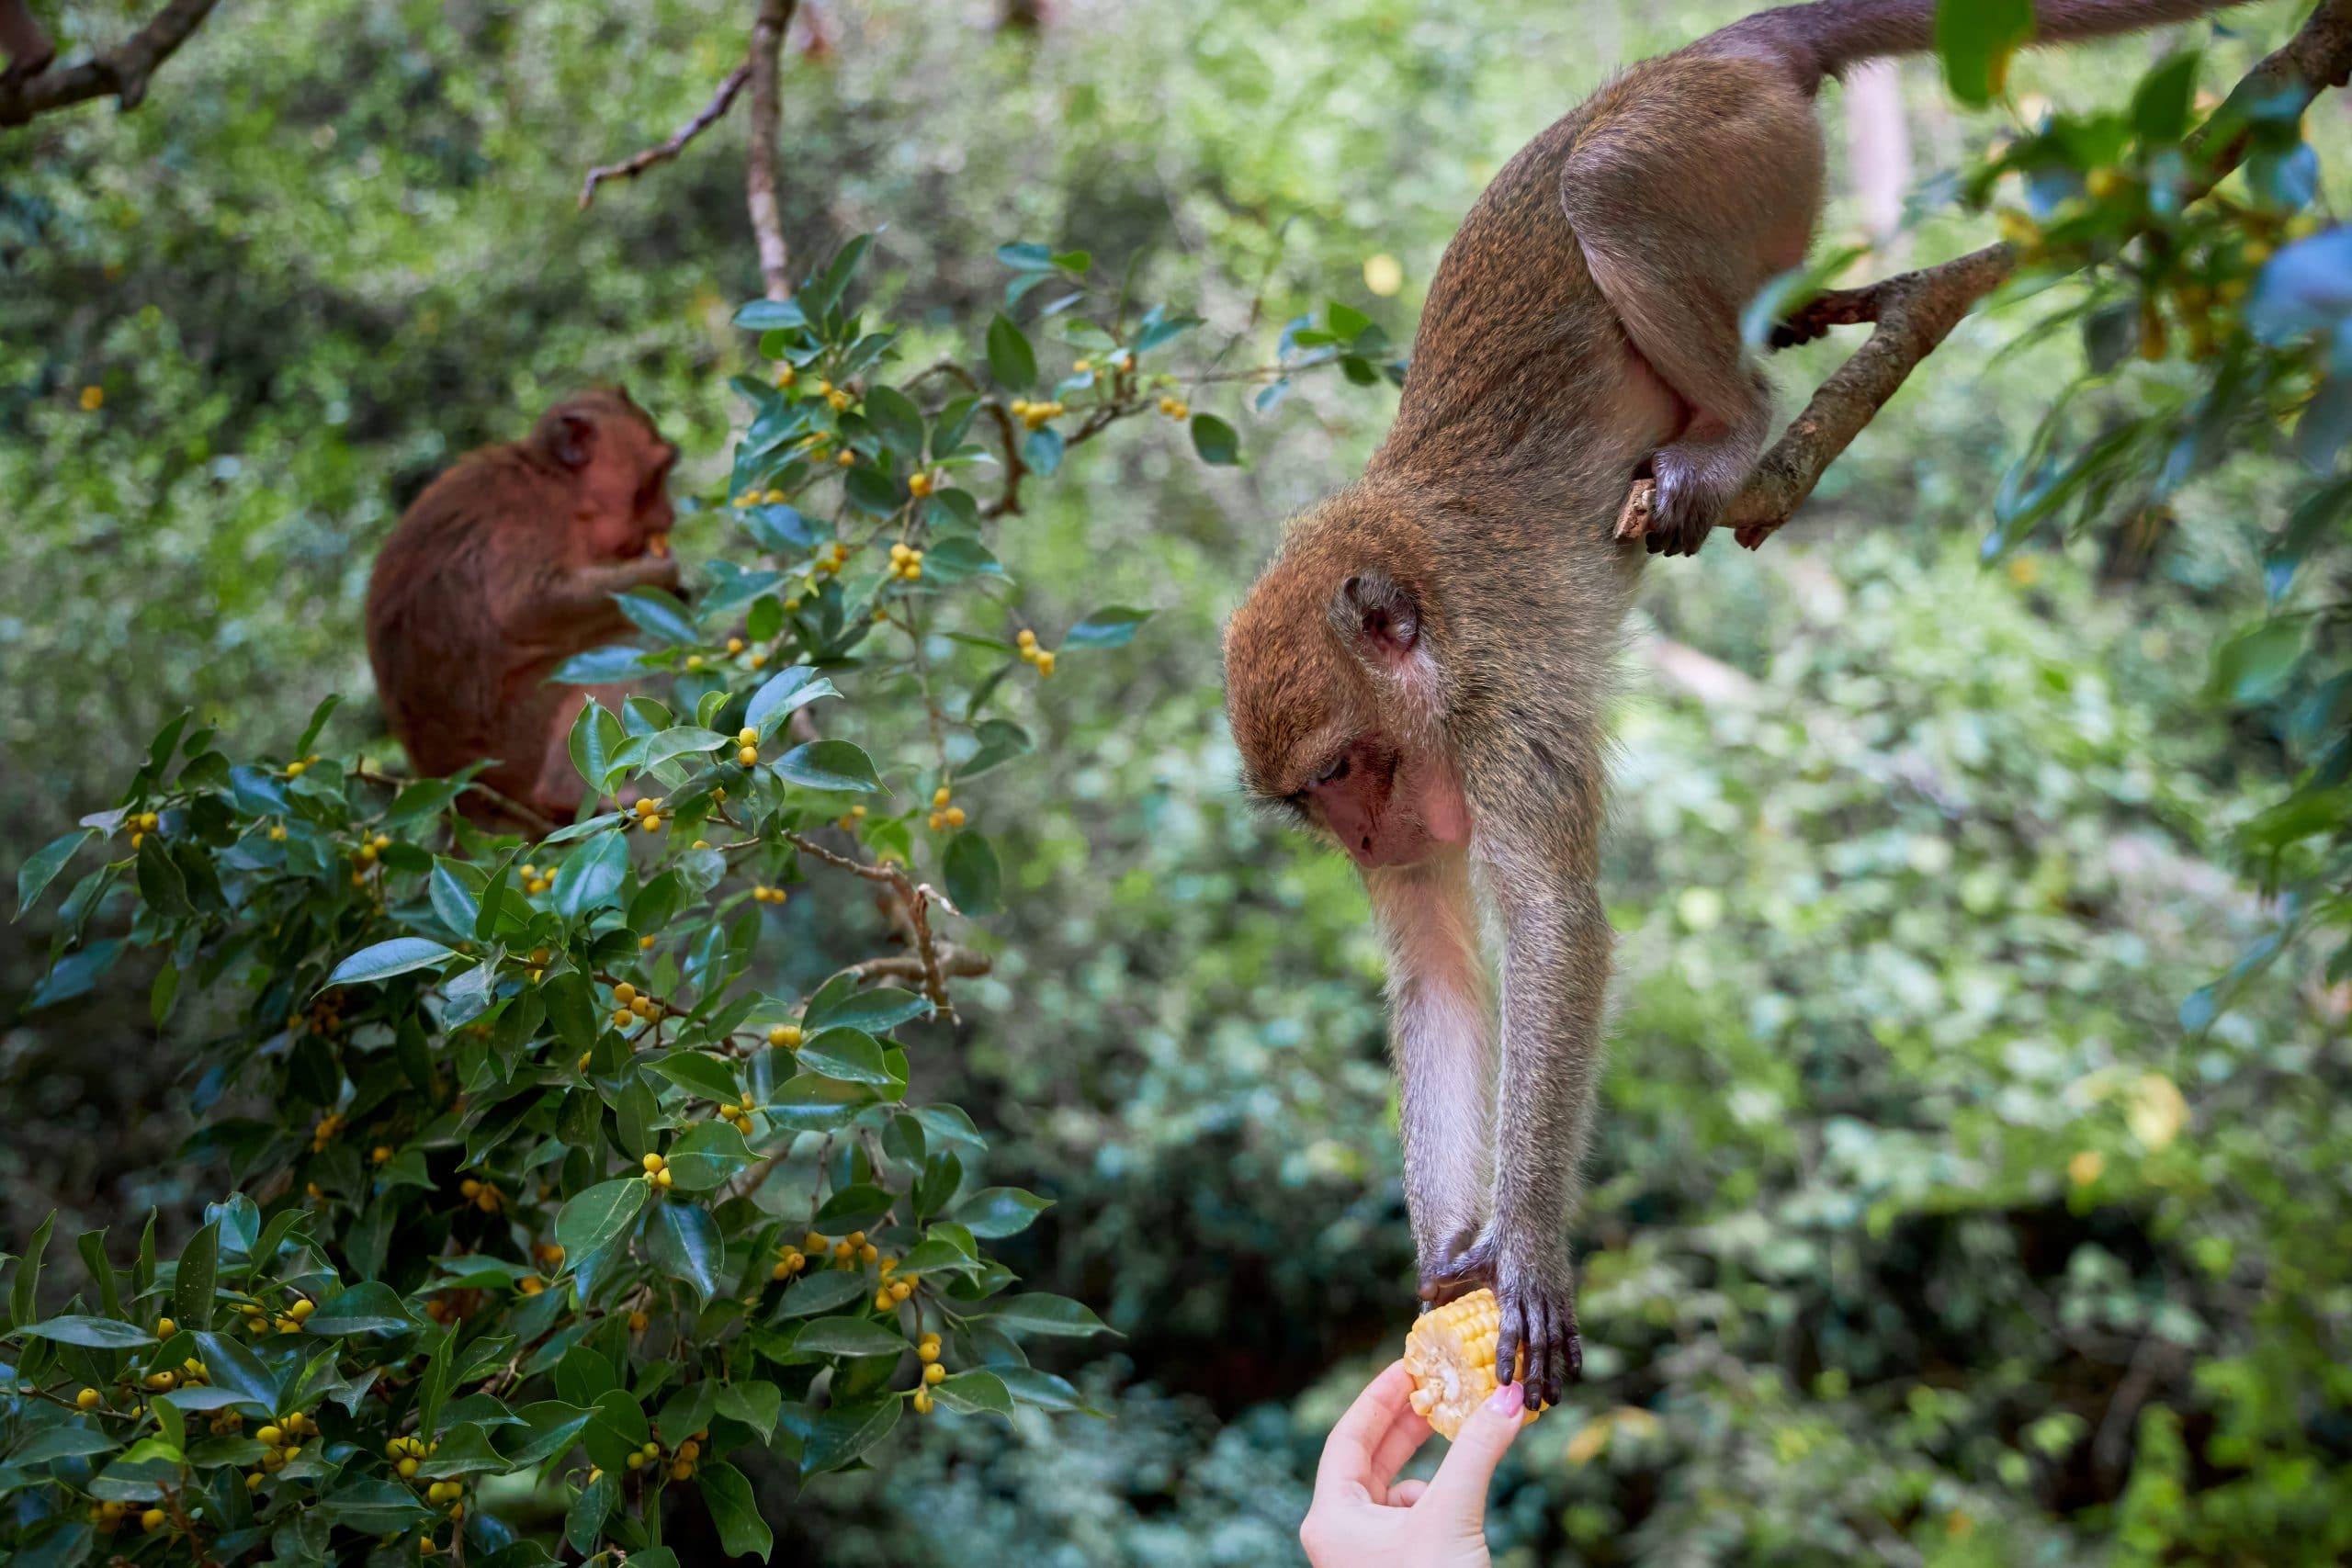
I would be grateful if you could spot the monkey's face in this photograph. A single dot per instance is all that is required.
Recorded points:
(624, 490)
(1330, 694)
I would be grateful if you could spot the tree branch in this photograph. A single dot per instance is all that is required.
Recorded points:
(122, 74)
(760, 180)
(1912, 312)
(629, 168)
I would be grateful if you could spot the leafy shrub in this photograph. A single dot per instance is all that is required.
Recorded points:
(555, 1200)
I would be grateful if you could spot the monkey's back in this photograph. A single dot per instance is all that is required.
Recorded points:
(446, 671)
(1512, 322)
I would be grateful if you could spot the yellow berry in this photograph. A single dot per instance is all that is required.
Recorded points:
(407, 1469)
(654, 1163)
(955, 815)
(1027, 638)
(164, 1326)
(1044, 662)
(88, 1399)
(928, 1352)
(637, 1320)
(900, 1290)
(664, 1180)
(919, 484)
(151, 1520)
(933, 1373)
(300, 1312)
(643, 1007)
(277, 835)
(747, 755)
(295, 770)
(921, 1401)
(1081, 366)
(624, 994)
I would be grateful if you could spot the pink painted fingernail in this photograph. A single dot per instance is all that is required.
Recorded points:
(1507, 1399)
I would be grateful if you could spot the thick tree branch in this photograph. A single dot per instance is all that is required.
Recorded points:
(1912, 312)
(122, 74)
(629, 168)
(759, 179)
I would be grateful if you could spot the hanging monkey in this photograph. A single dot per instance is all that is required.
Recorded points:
(1421, 672)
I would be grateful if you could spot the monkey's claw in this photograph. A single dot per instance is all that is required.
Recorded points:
(1539, 1336)
(1683, 507)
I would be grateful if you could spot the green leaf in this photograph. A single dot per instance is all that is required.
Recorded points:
(1037, 1312)
(845, 1431)
(997, 1211)
(310, 731)
(850, 1055)
(35, 875)
(95, 1333)
(193, 1282)
(974, 883)
(852, 1336)
(372, 1504)
(1974, 40)
(894, 418)
(697, 1073)
(819, 1293)
(854, 1208)
(590, 879)
(785, 692)
(705, 1155)
(553, 1426)
(1112, 626)
(770, 315)
(2256, 666)
(876, 1011)
(1043, 1390)
(829, 765)
(24, 1294)
(369, 1307)
(386, 959)
(659, 614)
(974, 1393)
(682, 1241)
(754, 1403)
(1074, 262)
(2165, 99)
(742, 1531)
(1010, 359)
(598, 1215)
(1025, 257)
(1214, 440)
(67, 1439)
(595, 735)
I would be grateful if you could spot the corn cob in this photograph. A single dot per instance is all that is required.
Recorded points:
(1450, 1353)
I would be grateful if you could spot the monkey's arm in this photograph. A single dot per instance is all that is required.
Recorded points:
(1536, 812)
(21, 37)
(1444, 1044)
(560, 599)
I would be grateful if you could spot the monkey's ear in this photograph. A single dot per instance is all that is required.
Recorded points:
(572, 439)
(1378, 616)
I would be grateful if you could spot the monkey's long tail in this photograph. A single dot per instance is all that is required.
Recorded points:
(1823, 39)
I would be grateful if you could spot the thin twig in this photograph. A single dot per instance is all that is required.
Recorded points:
(123, 75)
(629, 168)
(760, 176)
(1912, 312)
(914, 898)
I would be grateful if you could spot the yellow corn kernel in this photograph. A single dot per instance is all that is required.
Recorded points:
(1450, 1353)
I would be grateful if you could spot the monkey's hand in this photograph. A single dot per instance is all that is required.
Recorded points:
(1538, 1295)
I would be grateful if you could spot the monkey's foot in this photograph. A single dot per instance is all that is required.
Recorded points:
(1693, 482)
(1836, 308)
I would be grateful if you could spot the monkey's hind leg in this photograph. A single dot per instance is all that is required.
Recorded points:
(1696, 180)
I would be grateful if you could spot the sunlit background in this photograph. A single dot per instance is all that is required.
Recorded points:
(1918, 1230)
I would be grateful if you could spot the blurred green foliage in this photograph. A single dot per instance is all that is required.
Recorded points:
(1922, 1228)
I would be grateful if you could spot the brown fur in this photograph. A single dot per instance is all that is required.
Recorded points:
(502, 569)
(1581, 331)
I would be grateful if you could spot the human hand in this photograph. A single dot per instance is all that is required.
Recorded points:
(1364, 1517)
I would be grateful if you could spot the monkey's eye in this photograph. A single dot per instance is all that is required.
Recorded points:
(1332, 774)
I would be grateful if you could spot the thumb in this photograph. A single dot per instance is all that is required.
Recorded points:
(1458, 1491)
